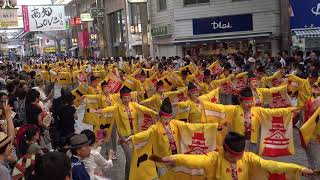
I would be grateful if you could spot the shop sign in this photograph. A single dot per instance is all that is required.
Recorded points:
(76, 21)
(86, 17)
(44, 18)
(50, 49)
(223, 24)
(304, 14)
(70, 22)
(8, 18)
(160, 31)
(97, 12)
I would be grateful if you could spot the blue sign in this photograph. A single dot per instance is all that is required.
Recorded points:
(223, 24)
(304, 13)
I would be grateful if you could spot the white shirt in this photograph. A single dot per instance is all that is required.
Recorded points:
(283, 62)
(96, 162)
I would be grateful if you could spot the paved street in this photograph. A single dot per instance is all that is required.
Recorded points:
(117, 172)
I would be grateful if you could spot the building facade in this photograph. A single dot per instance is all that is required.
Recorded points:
(207, 27)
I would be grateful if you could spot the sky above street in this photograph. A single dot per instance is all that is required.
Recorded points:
(33, 2)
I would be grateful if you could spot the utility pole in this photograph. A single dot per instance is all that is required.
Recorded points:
(285, 25)
(144, 29)
(100, 20)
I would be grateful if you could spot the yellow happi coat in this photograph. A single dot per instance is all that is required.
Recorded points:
(310, 130)
(249, 167)
(276, 137)
(275, 97)
(155, 141)
(212, 96)
(302, 86)
(190, 111)
(273, 81)
(137, 113)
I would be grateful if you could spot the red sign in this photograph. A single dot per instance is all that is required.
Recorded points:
(25, 14)
(76, 21)
(71, 22)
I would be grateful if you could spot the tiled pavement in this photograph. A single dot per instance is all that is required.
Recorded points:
(117, 172)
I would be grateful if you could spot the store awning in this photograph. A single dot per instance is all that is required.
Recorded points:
(222, 38)
(73, 48)
(307, 33)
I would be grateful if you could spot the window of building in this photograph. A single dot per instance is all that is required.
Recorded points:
(194, 2)
(162, 4)
(135, 18)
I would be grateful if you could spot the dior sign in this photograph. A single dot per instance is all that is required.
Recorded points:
(223, 24)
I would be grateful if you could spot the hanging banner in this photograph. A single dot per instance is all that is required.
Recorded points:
(44, 18)
(8, 18)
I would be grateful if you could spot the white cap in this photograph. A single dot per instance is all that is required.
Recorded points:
(252, 60)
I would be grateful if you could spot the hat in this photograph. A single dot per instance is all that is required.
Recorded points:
(93, 78)
(159, 83)
(234, 143)
(142, 73)
(4, 139)
(125, 91)
(160, 66)
(104, 83)
(166, 108)
(78, 141)
(246, 94)
(192, 87)
(206, 73)
(251, 59)
(252, 76)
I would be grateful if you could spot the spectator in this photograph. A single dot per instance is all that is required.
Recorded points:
(80, 150)
(19, 107)
(6, 147)
(96, 162)
(68, 116)
(29, 142)
(11, 88)
(33, 110)
(53, 166)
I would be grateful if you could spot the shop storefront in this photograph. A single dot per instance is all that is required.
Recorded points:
(210, 36)
(305, 25)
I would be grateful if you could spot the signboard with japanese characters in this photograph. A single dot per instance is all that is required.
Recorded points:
(8, 18)
(97, 12)
(44, 18)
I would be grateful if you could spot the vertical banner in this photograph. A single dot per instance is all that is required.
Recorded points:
(25, 15)
(83, 39)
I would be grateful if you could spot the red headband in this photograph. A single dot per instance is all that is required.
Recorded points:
(232, 152)
(126, 94)
(166, 115)
(247, 98)
(254, 78)
(195, 90)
